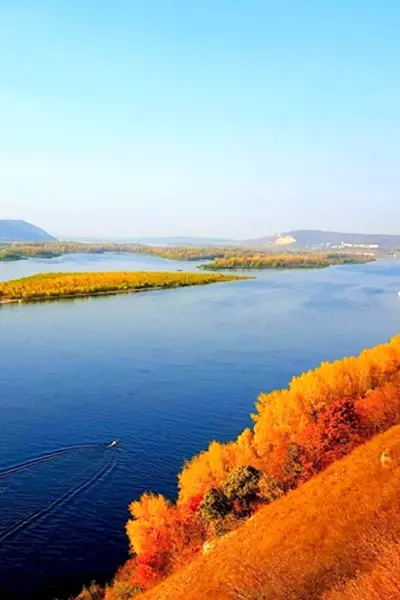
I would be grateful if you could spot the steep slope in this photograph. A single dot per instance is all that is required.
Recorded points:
(13, 230)
(298, 432)
(303, 544)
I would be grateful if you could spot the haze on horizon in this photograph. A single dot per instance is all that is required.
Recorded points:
(213, 118)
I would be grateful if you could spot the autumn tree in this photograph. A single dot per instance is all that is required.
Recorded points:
(336, 433)
(298, 431)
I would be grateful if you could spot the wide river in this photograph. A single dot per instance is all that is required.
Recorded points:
(165, 372)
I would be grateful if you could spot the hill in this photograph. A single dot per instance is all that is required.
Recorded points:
(13, 230)
(307, 238)
(302, 545)
(298, 433)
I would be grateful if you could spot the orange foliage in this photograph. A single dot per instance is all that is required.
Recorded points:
(211, 468)
(306, 543)
(379, 409)
(162, 536)
(282, 414)
(298, 432)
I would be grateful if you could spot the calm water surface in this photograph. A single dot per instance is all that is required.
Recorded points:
(165, 372)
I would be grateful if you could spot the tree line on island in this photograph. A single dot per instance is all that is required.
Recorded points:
(221, 257)
(18, 250)
(58, 285)
(298, 432)
(288, 260)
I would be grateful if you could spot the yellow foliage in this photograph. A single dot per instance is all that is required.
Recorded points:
(303, 544)
(205, 470)
(298, 431)
(58, 285)
(282, 413)
(288, 260)
(150, 512)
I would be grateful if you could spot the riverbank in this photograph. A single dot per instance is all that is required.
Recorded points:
(82, 295)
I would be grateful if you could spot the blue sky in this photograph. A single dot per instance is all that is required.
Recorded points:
(227, 118)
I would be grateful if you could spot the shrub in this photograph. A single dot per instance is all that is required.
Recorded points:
(215, 507)
(270, 489)
(93, 592)
(242, 489)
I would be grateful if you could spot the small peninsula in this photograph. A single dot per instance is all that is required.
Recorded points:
(53, 286)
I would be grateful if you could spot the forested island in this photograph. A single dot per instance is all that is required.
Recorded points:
(17, 251)
(289, 260)
(51, 286)
(220, 257)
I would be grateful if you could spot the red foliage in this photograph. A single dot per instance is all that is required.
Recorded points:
(337, 431)
(299, 432)
(194, 502)
(151, 566)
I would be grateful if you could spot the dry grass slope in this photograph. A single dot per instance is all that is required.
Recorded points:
(304, 545)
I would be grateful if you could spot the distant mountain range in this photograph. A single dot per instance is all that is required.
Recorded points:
(13, 230)
(311, 238)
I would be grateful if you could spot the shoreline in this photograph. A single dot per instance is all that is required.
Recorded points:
(7, 301)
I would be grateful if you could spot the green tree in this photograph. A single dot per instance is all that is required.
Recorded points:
(242, 488)
(215, 506)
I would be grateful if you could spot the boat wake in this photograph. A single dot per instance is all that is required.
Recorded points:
(45, 458)
(59, 501)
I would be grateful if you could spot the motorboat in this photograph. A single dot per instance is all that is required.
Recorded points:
(113, 443)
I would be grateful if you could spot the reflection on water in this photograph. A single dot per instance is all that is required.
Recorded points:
(165, 372)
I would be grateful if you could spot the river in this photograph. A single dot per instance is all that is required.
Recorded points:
(164, 372)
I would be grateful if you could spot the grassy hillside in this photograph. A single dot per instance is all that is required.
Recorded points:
(302, 545)
(298, 432)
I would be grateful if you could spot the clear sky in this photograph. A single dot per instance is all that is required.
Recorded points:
(229, 118)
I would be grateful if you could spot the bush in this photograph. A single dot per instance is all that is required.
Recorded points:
(292, 467)
(242, 489)
(93, 592)
(270, 489)
(215, 506)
